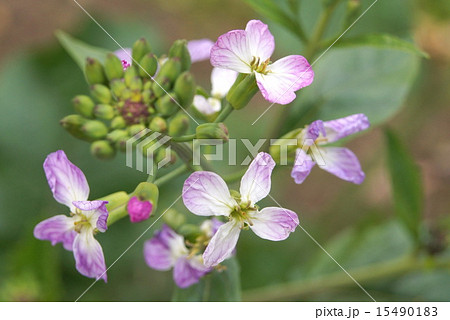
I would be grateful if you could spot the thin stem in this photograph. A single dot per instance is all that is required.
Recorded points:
(172, 175)
(293, 290)
(226, 111)
(185, 138)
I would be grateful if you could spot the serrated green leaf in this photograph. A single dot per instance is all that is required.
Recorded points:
(217, 286)
(406, 184)
(79, 50)
(383, 41)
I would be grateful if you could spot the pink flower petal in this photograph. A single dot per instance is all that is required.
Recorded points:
(185, 273)
(57, 229)
(274, 223)
(285, 76)
(222, 244)
(139, 210)
(206, 106)
(260, 41)
(199, 49)
(231, 52)
(342, 163)
(88, 253)
(221, 81)
(340, 128)
(66, 180)
(159, 251)
(206, 194)
(125, 56)
(302, 166)
(256, 182)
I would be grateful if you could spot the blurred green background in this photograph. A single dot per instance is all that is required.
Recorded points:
(357, 224)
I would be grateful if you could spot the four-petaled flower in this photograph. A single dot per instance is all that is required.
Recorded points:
(338, 161)
(167, 250)
(206, 194)
(248, 51)
(76, 233)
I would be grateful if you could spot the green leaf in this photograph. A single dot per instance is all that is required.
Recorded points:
(79, 50)
(406, 184)
(356, 80)
(383, 41)
(217, 286)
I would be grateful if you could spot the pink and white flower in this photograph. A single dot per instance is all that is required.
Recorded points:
(249, 51)
(76, 232)
(341, 162)
(206, 194)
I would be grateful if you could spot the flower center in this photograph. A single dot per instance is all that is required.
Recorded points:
(259, 66)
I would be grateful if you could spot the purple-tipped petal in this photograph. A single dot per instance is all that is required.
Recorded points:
(206, 106)
(221, 81)
(57, 229)
(260, 41)
(231, 52)
(315, 129)
(139, 210)
(186, 274)
(125, 57)
(88, 253)
(161, 251)
(285, 76)
(274, 223)
(66, 180)
(199, 49)
(342, 163)
(206, 194)
(95, 211)
(340, 128)
(302, 166)
(222, 244)
(256, 182)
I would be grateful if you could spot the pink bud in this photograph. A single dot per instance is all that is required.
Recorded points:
(139, 210)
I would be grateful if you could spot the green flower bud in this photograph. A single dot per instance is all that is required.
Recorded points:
(149, 65)
(242, 91)
(101, 149)
(135, 84)
(179, 50)
(174, 219)
(162, 153)
(113, 67)
(212, 131)
(101, 93)
(171, 69)
(148, 97)
(117, 206)
(94, 130)
(190, 232)
(178, 125)
(73, 123)
(117, 87)
(185, 89)
(84, 106)
(121, 144)
(286, 146)
(129, 75)
(158, 124)
(140, 48)
(147, 85)
(167, 105)
(104, 111)
(94, 71)
(118, 123)
(136, 129)
(161, 86)
(147, 191)
(115, 135)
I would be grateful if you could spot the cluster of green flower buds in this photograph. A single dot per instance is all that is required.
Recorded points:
(148, 95)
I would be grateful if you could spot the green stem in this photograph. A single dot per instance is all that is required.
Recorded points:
(172, 175)
(185, 138)
(226, 111)
(371, 273)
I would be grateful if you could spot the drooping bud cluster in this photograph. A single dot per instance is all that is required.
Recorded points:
(150, 94)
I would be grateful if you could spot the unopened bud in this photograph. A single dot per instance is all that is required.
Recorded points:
(136, 129)
(129, 75)
(179, 50)
(94, 71)
(117, 87)
(135, 84)
(84, 105)
(185, 89)
(212, 131)
(101, 93)
(113, 67)
(167, 105)
(139, 209)
(94, 129)
(118, 123)
(165, 157)
(140, 48)
(101, 149)
(242, 91)
(178, 125)
(117, 206)
(104, 111)
(161, 86)
(171, 69)
(149, 65)
(148, 97)
(158, 124)
(73, 123)
(115, 135)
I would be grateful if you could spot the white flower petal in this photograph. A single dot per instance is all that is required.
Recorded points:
(260, 41)
(222, 244)
(274, 223)
(221, 81)
(256, 182)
